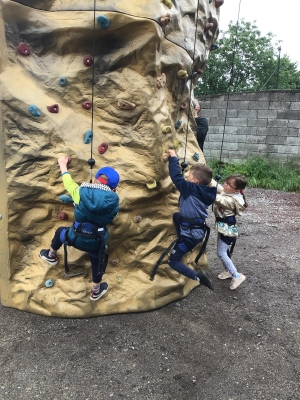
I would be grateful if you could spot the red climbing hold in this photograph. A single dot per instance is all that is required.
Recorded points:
(63, 216)
(87, 105)
(102, 148)
(183, 106)
(69, 160)
(88, 61)
(23, 49)
(199, 71)
(53, 109)
(208, 26)
(219, 3)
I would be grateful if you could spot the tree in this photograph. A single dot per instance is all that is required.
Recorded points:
(255, 63)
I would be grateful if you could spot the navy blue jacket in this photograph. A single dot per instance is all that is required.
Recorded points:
(194, 199)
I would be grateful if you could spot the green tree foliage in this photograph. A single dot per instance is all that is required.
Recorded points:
(255, 63)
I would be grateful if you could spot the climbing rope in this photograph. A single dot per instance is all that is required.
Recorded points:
(91, 161)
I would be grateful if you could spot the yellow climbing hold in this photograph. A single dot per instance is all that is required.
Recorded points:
(119, 279)
(177, 144)
(182, 74)
(166, 129)
(151, 185)
(168, 3)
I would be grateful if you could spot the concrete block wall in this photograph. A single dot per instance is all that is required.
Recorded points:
(263, 123)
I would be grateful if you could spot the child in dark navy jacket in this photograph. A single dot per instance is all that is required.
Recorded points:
(195, 198)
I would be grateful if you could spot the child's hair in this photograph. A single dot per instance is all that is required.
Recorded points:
(240, 183)
(202, 173)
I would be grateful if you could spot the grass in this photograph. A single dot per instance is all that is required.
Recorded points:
(262, 173)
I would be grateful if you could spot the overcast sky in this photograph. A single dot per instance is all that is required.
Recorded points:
(282, 18)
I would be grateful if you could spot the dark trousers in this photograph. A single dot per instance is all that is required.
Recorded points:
(183, 245)
(58, 241)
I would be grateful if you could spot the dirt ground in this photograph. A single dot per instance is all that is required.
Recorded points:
(231, 345)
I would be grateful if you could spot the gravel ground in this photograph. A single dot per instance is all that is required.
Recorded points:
(241, 345)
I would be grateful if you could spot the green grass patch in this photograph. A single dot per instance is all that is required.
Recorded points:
(262, 173)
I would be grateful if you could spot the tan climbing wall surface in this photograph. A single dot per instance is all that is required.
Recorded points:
(46, 94)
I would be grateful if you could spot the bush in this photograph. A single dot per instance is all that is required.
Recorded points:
(262, 172)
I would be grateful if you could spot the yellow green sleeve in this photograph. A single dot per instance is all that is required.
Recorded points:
(71, 187)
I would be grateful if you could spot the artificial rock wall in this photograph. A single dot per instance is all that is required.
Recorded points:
(46, 65)
(263, 124)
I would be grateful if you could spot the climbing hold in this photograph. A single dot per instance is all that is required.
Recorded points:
(88, 61)
(166, 129)
(161, 81)
(151, 185)
(199, 71)
(119, 279)
(63, 216)
(165, 20)
(69, 160)
(63, 81)
(208, 26)
(176, 144)
(196, 157)
(184, 165)
(87, 105)
(213, 47)
(168, 3)
(217, 177)
(102, 148)
(88, 136)
(103, 21)
(210, 1)
(115, 261)
(219, 3)
(23, 49)
(183, 105)
(34, 110)
(137, 218)
(182, 74)
(53, 109)
(193, 75)
(49, 283)
(66, 199)
(178, 124)
(125, 105)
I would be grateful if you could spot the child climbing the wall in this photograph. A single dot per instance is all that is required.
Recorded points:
(195, 197)
(96, 205)
(230, 202)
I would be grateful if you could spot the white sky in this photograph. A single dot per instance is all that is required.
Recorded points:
(282, 18)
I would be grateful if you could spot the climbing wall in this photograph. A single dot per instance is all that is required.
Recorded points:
(146, 57)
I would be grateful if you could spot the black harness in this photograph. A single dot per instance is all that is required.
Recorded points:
(186, 224)
(92, 242)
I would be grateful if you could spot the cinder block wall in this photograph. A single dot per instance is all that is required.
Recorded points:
(263, 123)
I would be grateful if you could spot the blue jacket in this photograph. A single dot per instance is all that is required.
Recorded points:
(194, 199)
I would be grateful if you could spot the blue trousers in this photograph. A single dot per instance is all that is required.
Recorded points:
(183, 245)
(57, 242)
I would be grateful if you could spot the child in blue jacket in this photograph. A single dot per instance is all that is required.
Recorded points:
(195, 198)
(96, 205)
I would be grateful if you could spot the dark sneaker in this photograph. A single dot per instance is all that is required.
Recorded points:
(205, 280)
(44, 254)
(96, 295)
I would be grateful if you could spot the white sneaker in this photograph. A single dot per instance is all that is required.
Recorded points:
(235, 282)
(224, 275)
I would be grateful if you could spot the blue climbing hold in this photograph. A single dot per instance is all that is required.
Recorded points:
(178, 124)
(196, 157)
(88, 136)
(34, 110)
(103, 21)
(66, 199)
(63, 81)
(49, 283)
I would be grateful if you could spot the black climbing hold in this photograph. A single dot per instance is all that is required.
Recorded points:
(184, 165)
(103, 21)
(213, 47)
(63, 81)
(91, 162)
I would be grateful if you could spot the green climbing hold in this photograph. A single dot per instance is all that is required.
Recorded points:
(213, 47)
(66, 199)
(196, 157)
(49, 283)
(34, 110)
(88, 136)
(178, 124)
(103, 21)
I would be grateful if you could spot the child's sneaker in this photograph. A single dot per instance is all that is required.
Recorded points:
(224, 275)
(235, 282)
(205, 279)
(95, 295)
(44, 254)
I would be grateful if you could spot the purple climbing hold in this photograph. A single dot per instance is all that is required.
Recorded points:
(23, 49)
(88, 61)
(53, 109)
(87, 105)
